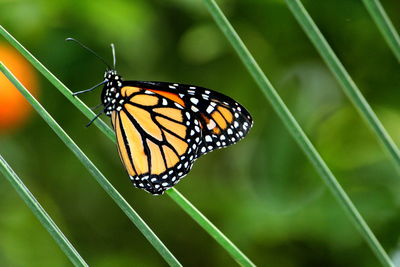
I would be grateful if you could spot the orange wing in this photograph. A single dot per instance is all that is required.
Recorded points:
(157, 138)
(222, 124)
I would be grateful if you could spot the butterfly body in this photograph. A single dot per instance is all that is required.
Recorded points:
(111, 97)
(162, 128)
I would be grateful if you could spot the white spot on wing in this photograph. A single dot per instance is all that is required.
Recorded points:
(179, 106)
(211, 124)
(194, 100)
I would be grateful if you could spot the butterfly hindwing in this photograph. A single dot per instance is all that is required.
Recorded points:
(158, 138)
(224, 121)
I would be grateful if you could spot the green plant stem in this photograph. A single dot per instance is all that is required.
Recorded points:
(105, 184)
(344, 78)
(210, 228)
(41, 214)
(384, 24)
(296, 131)
(55, 81)
(178, 198)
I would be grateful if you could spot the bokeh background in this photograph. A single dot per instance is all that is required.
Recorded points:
(262, 193)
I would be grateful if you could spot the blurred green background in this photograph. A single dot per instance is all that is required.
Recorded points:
(262, 193)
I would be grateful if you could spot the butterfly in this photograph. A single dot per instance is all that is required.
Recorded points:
(161, 128)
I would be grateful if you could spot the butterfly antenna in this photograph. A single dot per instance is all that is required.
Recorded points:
(113, 54)
(88, 49)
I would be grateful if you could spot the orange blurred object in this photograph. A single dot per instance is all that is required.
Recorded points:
(14, 109)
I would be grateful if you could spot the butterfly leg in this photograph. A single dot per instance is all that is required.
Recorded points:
(98, 115)
(90, 89)
(96, 107)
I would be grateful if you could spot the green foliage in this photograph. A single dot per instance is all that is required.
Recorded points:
(295, 129)
(176, 196)
(262, 191)
(40, 213)
(344, 78)
(384, 24)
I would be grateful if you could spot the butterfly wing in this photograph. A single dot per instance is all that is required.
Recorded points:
(223, 121)
(157, 137)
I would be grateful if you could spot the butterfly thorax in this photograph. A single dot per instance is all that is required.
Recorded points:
(111, 97)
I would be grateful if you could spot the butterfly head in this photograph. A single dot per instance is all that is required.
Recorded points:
(111, 95)
(111, 75)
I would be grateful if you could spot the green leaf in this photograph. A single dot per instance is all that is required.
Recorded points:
(209, 227)
(349, 87)
(41, 214)
(296, 131)
(384, 24)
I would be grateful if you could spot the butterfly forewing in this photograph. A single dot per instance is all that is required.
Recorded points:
(158, 138)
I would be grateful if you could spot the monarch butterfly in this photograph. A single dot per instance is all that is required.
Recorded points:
(162, 128)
